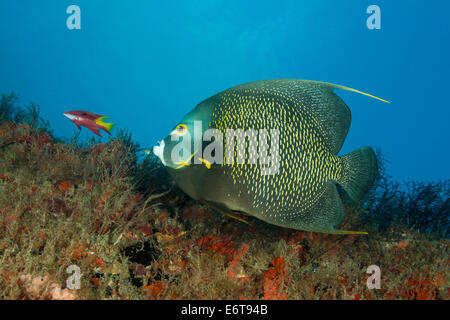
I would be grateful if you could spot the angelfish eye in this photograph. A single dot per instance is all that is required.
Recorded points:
(180, 130)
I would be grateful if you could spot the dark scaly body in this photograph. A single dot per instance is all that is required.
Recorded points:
(306, 163)
(312, 122)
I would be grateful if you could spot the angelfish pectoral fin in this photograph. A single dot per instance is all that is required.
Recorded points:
(205, 162)
(182, 164)
(185, 163)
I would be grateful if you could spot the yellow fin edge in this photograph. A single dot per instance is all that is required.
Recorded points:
(338, 86)
(360, 92)
(185, 163)
(205, 162)
(343, 232)
(237, 218)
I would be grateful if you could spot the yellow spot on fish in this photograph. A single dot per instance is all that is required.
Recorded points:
(185, 163)
(206, 162)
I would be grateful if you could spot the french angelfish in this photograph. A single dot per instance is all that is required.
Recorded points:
(312, 122)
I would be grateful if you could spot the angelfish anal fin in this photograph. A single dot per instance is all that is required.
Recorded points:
(327, 212)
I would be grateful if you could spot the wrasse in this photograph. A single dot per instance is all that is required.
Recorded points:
(92, 121)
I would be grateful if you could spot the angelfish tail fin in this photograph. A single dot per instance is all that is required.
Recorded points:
(360, 169)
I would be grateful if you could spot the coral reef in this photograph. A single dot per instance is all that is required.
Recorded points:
(135, 235)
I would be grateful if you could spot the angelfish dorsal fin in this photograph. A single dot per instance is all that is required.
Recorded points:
(337, 86)
(318, 97)
(331, 111)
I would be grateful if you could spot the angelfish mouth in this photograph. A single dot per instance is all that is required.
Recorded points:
(159, 151)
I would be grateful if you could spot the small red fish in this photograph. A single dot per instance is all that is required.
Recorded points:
(90, 120)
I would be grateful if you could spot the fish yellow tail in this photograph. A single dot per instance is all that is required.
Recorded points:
(360, 171)
(108, 126)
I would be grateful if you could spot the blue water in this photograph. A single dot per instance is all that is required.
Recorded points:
(147, 63)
